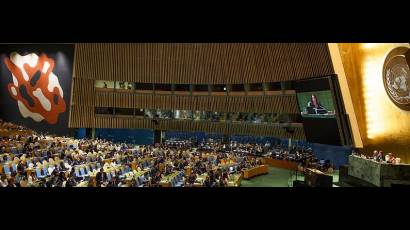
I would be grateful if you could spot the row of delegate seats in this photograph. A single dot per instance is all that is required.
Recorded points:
(15, 151)
(80, 171)
(8, 158)
(141, 180)
(85, 170)
(42, 172)
(10, 161)
(9, 168)
(177, 181)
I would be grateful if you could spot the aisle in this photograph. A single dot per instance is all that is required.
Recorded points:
(275, 178)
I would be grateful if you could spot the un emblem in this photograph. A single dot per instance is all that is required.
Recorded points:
(396, 76)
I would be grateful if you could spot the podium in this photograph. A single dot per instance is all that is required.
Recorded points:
(313, 110)
(316, 178)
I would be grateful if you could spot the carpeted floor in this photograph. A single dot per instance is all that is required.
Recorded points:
(279, 178)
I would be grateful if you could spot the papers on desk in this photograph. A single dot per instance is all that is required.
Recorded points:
(316, 171)
(201, 179)
(82, 184)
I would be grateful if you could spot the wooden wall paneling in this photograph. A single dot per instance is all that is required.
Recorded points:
(211, 58)
(260, 58)
(301, 64)
(121, 60)
(83, 100)
(286, 69)
(226, 128)
(305, 54)
(262, 62)
(119, 103)
(201, 63)
(262, 104)
(174, 61)
(82, 117)
(191, 63)
(295, 62)
(312, 52)
(285, 63)
(322, 60)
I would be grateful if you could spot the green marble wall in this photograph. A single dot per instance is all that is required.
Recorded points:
(379, 174)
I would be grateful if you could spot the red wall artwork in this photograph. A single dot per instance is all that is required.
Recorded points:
(35, 87)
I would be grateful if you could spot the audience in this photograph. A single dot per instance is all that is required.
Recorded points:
(30, 159)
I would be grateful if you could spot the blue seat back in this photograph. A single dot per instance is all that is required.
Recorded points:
(6, 169)
(82, 173)
(88, 169)
(109, 176)
(45, 172)
(14, 167)
(76, 172)
(38, 172)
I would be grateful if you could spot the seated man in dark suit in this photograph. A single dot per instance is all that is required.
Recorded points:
(380, 156)
(21, 166)
(101, 177)
(207, 182)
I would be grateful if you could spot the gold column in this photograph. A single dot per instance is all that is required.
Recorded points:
(344, 87)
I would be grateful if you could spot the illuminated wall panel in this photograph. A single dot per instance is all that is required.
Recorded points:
(382, 124)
